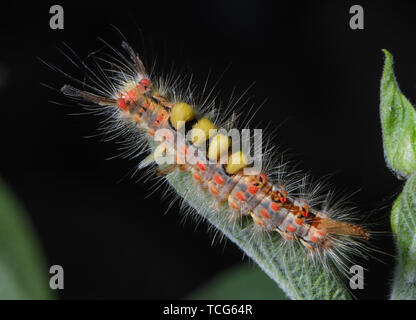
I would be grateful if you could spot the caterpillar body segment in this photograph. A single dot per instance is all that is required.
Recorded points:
(167, 121)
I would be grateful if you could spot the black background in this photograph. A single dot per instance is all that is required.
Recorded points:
(321, 80)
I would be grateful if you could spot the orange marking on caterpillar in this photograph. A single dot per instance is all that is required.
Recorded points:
(241, 196)
(122, 104)
(252, 190)
(233, 205)
(299, 221)
(283, 194)
(213, 191)
(304, 208)
(264, 213)
(160, 117)
(275, 206)
(196, 176)
(131, 96)
(201, 166)
(291, 228)
(219, 180)
(313, 239)
(145, 82)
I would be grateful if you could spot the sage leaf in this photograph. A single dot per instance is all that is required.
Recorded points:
(290, 268)
(398, 120)
(23, 272)
(242, 282)
(403, 222)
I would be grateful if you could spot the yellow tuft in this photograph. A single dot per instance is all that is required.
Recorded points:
(181, 111)
(201, 131)
(218, 145)
(236, 162)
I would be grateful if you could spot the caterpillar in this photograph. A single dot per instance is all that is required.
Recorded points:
(180, 135)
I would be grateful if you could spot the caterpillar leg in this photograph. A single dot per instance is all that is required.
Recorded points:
(285, 235)
(256, 219)
(217, 205)
(306, 244)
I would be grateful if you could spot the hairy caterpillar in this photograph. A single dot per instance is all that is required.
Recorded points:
(144, 110)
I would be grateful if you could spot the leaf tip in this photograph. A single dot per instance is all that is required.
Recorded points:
(386, 52)
(388, 56)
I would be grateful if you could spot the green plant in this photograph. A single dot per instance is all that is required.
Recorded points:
(296, 275)
(23, 273)
(398, 119)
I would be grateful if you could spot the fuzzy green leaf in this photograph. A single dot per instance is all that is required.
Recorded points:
(243, 282)
(398, 119)
(23, 274)
(403, 222)
(296, 275)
